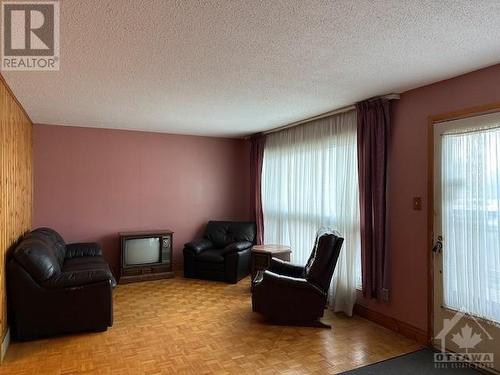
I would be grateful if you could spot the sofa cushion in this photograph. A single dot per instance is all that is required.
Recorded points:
(237, 246)
(92, 263)
(37, 257)
(83, 249)
(211, 256)
(197, 246)
(222, 233)
(85, 263)
(72, 279)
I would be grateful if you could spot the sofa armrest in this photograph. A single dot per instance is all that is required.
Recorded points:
(40, 311)
(284, 284)
(77, 279)
(287, 269)
(83, 249)
(237, 264)
(237, 247)
(199, 245)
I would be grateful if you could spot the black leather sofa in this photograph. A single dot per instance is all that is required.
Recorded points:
(223, 254)
(288, 293)
(54, 288)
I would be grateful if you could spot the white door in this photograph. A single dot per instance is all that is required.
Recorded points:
(466, 233)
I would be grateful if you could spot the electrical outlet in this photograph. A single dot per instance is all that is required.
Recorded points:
(385, 294)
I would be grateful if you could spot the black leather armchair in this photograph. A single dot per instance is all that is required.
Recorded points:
(223, 254)
(291, 293)
(54, 288)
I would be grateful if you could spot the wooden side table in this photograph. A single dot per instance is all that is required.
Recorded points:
(262, 254)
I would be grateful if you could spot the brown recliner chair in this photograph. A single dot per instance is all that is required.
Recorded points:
(287, 293)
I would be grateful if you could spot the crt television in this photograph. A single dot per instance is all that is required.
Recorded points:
(145, 255)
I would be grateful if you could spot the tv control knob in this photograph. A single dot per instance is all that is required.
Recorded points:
(166, 242)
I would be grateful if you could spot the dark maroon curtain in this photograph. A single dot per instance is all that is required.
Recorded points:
(256, 157)
(373, 131)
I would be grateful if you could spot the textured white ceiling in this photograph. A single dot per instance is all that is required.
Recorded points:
(232, 68)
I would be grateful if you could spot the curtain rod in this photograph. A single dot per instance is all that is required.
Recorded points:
(327, 114)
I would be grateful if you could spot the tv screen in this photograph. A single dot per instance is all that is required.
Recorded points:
(142, 251)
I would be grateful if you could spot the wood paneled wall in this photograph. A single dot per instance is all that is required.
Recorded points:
(16, 182)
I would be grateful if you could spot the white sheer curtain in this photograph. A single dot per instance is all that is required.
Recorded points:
(309, 180)
(471, 220)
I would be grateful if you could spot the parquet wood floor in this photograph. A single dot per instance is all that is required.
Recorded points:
(183, 326)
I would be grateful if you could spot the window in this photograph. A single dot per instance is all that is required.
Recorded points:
(309, 180)
(471, 214)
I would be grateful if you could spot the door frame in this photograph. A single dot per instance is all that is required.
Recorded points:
(431, 121)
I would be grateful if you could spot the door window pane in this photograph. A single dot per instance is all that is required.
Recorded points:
(470, 207)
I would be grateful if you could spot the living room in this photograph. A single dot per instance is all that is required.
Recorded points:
(249, 187)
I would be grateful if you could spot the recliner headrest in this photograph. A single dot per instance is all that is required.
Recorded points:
(321, 264)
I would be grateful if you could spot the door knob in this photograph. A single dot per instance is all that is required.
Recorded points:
(438, 247)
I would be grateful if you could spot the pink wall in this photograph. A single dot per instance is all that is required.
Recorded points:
(408, 178)
(91, 184)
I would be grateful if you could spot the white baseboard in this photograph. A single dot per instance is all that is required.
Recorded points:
(5, 345)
